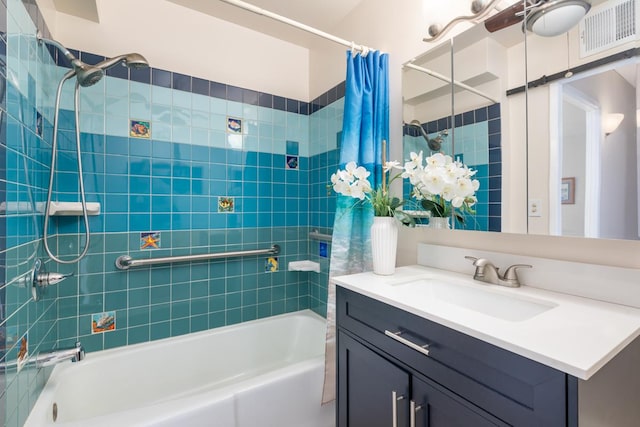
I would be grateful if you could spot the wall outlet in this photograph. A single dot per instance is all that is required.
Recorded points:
(535, 207)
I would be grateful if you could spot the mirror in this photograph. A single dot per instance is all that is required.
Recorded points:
(551, 167)
(589, 118)
(463, 82)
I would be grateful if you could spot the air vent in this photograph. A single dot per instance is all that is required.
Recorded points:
(609, 25)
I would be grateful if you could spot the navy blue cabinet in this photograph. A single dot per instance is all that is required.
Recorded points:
(398, 369)
(376, 390)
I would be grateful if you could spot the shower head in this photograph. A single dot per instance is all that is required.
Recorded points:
(131, 60)
(91, 74)
(434, 144)
(87, 75)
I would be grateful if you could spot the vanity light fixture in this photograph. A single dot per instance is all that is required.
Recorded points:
(554, 17)
(611, 121)
(479, 9)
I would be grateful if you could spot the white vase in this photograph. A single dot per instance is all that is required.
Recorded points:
(384, 242)
(439, 222)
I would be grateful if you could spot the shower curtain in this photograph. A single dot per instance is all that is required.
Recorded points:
(365, 126)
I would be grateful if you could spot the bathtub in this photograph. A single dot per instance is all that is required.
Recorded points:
(263, 373)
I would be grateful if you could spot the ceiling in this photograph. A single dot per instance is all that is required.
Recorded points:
(320, 14)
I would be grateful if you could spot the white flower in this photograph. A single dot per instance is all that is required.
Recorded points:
(457, 201)
(464, 187)
(357, 191)
(437, 160)
(352, 181)
(361, 173)
(442, 177)
(342, 188)
(432, 182)
(391, 165)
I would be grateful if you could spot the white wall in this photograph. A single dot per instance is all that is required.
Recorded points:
(574, 165)
(179, 39)
(618, 216)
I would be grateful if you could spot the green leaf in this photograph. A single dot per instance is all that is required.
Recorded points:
(434, 207)
(405, 219)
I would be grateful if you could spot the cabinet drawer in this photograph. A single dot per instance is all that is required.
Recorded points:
(515, 389)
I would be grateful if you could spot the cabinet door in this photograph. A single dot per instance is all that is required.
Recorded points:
(367, 386)
(434, 406)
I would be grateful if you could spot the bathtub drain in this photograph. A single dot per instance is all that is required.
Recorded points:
(55, 412)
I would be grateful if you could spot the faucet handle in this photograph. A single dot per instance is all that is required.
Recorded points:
(479, 264)
(511, 273)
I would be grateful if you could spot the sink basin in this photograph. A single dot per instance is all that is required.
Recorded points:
(472, 297)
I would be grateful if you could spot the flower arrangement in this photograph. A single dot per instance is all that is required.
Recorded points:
(443, 186)
(353, 182)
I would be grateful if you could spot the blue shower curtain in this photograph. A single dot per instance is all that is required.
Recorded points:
(365, 126)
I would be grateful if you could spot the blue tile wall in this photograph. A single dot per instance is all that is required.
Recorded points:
(475, 140)
(23, 155)
(169, 183)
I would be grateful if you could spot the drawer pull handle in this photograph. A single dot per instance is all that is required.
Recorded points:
(394, 407)
(414, 411)
(424, 349)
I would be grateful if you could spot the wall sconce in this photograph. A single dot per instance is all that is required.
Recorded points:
(479, 9)
(611, 121)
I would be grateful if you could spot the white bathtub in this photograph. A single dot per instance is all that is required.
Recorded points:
(263, 373)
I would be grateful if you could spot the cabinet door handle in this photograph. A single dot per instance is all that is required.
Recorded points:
(424, 349)
(414, 411)
(394, 407)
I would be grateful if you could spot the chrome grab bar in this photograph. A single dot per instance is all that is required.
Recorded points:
(125, 262)
(424, 349)
(315, 235)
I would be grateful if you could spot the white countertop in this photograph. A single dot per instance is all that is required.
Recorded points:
(577, 336)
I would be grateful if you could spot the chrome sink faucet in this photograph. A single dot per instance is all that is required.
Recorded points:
(489, 273)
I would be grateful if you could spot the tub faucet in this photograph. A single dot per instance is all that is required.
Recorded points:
(489, 273)
(75, 354)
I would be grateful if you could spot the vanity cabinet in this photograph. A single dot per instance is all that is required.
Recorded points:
(377, 392)
(399, 369)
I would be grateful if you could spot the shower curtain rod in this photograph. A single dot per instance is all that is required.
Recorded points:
(296, 24)
(448, 80)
